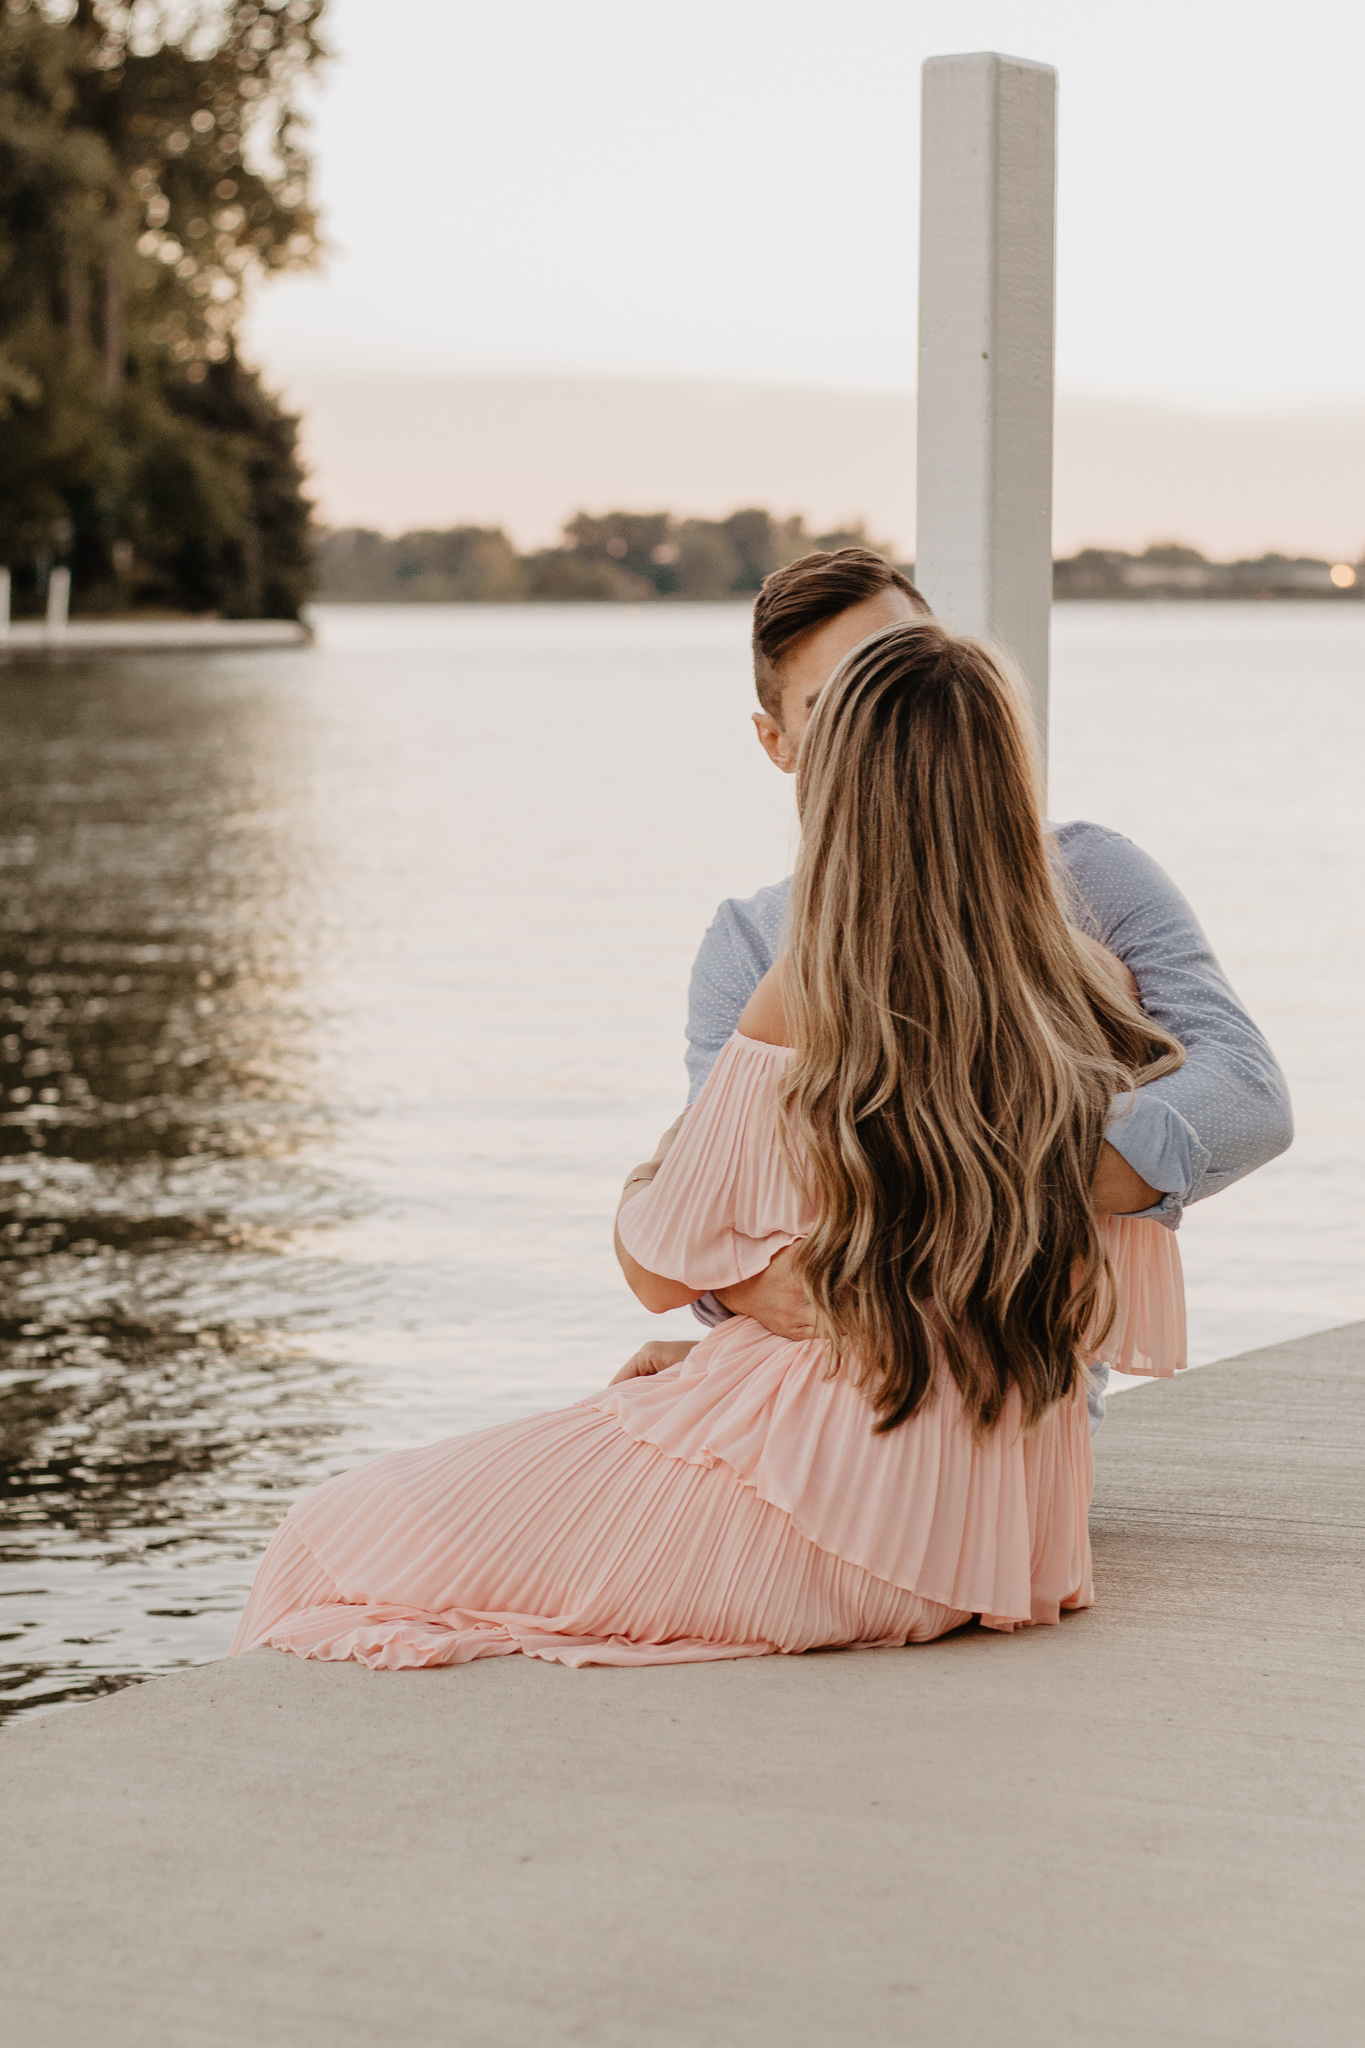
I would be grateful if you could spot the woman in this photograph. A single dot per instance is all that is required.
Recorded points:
(916, 1099)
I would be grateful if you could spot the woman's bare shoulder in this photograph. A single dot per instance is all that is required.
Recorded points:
(764, 1016)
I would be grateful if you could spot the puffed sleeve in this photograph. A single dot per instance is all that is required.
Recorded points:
(1147, 1335)
(723, 1203)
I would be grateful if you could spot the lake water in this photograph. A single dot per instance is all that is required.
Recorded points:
(338, 989)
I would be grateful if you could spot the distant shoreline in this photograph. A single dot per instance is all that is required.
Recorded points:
(655, 557)
(1140, 597)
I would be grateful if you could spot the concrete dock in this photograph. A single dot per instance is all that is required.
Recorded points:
(1144, 1827)
(34, 641)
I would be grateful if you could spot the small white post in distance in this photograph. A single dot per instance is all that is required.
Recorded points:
(58, 599)
(4, 603)
(987, 268)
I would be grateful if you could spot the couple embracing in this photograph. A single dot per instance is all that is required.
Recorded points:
(952, 1085)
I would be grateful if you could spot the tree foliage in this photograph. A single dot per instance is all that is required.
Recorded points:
(617, 557)
(151, 164)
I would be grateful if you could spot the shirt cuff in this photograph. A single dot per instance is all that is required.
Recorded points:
(708, 1310)
(1159, 1144)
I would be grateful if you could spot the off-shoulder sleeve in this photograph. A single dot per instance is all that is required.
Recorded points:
(723, 1203)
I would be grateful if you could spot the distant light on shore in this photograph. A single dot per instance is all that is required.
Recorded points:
(1343, 575)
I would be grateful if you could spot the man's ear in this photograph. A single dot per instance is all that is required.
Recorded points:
(774, 743)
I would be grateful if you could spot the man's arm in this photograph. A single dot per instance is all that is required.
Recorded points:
(1226, 1111)
(777, 1296)
(740, 946)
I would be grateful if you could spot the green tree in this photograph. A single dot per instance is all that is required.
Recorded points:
(571, 576)
(606, 558)
(464, 565)
(762, 544)
(151, 163)
(639, 545)
(708, 565)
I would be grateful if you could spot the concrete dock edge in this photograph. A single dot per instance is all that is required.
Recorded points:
(84, 638)
(1144, 1827)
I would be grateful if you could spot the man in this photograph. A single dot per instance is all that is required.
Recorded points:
(1177, 1140)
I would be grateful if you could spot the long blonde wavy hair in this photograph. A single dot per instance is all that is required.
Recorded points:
(956, 1049)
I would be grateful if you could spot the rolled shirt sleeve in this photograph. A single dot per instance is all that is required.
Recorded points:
(1226, 1110)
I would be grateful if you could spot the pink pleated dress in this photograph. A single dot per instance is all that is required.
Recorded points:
(736, 1505)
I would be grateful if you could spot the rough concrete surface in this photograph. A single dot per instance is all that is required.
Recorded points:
(1143, 1827)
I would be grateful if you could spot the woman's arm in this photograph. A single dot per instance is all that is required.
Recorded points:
(777, 1298)
(652, 1290)
(763, 1018)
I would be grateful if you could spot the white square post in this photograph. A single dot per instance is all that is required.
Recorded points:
(987, 267)
(58, 599)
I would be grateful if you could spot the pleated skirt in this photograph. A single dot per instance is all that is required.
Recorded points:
(565, 1538)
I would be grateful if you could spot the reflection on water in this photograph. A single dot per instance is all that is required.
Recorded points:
(339, 987)
(324, 1036)
(155, 1102)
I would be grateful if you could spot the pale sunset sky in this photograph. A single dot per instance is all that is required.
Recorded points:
(622, 253)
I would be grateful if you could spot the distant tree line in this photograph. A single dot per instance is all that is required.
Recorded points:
(1171, 571)
(641, 557)
(617, 557)
(151, 163)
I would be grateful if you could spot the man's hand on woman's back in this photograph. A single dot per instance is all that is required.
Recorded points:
(656, 1356)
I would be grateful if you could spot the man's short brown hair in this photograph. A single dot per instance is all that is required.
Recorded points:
(797, 599)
